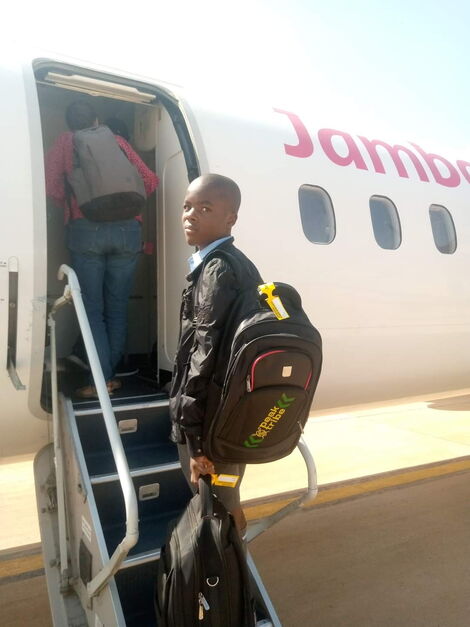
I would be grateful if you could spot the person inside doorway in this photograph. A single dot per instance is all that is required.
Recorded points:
(104, 254)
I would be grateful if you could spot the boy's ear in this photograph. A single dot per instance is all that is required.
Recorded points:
(232, 218)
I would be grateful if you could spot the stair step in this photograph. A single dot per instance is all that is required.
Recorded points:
(133, 391)
(136, 472)
(145, 435)
(152, 534)
(155, 512)
(139, 459)
(88, 408)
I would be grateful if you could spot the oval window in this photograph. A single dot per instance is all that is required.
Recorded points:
(317, 214)
(443, 229)
(385, 222)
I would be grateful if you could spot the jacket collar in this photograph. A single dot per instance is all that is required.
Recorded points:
(221, 243)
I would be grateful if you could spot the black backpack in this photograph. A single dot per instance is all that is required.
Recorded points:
(106, 184)
(268, 365)
(203, 576)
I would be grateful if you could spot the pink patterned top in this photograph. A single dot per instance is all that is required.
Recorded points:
(59, 161)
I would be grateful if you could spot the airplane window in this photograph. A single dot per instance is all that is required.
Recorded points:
(385, 222)
(317, 214)
(443, 229)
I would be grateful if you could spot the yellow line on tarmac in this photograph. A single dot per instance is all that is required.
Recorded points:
(19, 565)
(358, 487)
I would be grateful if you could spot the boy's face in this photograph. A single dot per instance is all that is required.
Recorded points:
(207, 215)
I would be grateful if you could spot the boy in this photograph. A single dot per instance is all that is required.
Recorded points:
(209, 212)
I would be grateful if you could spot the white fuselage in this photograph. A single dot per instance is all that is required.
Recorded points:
(394, 323)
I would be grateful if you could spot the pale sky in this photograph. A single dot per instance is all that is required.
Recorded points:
(393, 69)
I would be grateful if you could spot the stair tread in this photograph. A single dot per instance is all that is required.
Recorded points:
(151, 455)
(152, 533)
(122, 401)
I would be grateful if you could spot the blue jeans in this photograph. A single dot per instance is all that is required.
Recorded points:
(104, 257)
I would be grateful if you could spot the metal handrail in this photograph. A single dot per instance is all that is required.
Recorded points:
(13, 267)
(302, 501)
(72, 293)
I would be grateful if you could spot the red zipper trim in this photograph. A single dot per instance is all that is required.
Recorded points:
(308, 380)
(255, 363)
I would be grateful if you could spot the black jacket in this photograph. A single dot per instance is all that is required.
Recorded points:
(206, 303)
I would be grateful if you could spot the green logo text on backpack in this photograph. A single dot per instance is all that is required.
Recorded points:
(269, 422)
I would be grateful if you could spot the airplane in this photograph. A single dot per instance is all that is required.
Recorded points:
(374, 236)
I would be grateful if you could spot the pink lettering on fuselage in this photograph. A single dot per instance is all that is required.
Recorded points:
(463, 167)
(325, 135)
(304, 148)
(449, 181)
(442, 170)
(394, 152)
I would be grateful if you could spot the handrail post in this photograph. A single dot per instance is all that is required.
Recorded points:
(312, 484)
(72, 292)
(304, 500)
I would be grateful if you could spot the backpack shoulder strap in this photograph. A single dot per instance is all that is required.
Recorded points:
(221, 253)
(218, 253)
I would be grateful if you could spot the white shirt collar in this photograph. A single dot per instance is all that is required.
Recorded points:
(198, 257)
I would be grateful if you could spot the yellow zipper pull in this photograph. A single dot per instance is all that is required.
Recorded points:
(273, 301)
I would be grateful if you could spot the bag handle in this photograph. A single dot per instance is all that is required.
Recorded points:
(205, 492)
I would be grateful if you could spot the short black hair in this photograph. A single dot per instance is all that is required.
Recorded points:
(226, 186)
(80, 114)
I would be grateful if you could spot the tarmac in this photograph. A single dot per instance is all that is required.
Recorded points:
(397, 558)
(384, 544)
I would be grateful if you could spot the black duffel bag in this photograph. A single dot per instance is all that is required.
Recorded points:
(203, 575)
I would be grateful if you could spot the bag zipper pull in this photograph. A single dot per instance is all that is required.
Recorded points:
(248, 384)
(203, 605)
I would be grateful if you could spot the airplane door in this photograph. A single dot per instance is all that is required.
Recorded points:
(172, 248)
(22, 260)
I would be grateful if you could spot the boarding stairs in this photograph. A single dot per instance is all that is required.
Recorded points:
(113, 483)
